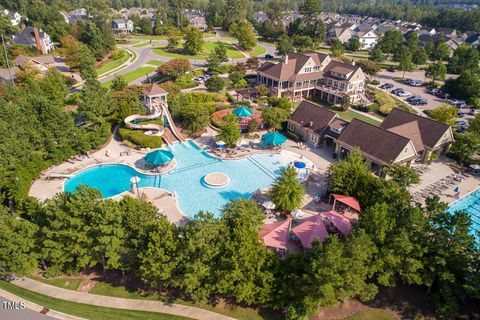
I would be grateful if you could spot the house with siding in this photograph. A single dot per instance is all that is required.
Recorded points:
(401, 138)
(313, 74)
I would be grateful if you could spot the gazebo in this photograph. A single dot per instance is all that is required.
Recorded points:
(158, 157)
(350, 202)
(154, 91)
(275, 235)
(311, 229)
(274, 138)
(339, 221)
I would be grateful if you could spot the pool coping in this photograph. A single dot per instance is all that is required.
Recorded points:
(464, 196)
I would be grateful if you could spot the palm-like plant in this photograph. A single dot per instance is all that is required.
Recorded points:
(287, 193)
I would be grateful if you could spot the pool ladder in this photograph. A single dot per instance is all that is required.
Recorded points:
(261, 167)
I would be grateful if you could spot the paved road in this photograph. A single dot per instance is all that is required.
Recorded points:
(146, 54)
(25, 314)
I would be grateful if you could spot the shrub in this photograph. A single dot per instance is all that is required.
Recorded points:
(225, 68)
(242, 103)
(294, 136)
(215, 84)
(138, 138)
(171, 87)
(375, 82)
(230, 97)
(186, 81)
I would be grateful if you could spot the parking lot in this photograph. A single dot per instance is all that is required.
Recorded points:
(432, 100)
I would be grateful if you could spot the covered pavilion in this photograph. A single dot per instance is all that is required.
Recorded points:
(313, 228)
(275, 235)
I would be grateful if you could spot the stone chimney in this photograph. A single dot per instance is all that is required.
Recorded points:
(38, 41)
(285, 59)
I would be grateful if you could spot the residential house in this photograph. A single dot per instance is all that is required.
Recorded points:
(381, 29)
(33, 36)
(196, 18)
(14, 17)
(122, 25)
(313, 74)
(401, 138)
(473, 40)
(431, 137)
(260, 17)
(448, 32)
(42, 63)
(77, 15)
(343, 33)
(366, 35)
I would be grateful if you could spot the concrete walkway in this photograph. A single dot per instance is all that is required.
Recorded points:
(118, 303)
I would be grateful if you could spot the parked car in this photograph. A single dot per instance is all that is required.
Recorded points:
(199, 79)
(443, 95)
(386, 86)
(433, 90)
(461, 114)
(461, 129)
(461, 123)
(268, 56)
(456, 102)
(403, 93)
(391, 69)
(395, 91)
(413, 98)
(464, 106)
(474, 112)
(419, 102)
(413, 83)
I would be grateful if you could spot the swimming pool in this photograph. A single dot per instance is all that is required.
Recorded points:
(186, 180)
(471, 205)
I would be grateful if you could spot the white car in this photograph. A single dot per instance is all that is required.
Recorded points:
(403, 93)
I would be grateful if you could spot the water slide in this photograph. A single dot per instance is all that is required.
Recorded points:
(171, 124)
(156, 129)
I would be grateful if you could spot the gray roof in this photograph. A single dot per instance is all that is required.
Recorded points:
(312, 117)
(27, 36)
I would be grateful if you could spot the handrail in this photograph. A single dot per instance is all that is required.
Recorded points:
(199, 165)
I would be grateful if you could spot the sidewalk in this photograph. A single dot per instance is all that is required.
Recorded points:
(118, 303)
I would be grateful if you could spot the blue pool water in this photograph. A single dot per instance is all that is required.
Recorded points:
(246, 176)
(471, 205)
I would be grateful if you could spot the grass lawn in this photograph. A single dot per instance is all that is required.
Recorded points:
(349, 114)
(132, 75)
(66, 283)
(141, 44)
(387, 102)
(372, 315)
(242, 313)
(208, 47)
(84, 310)
(112, 64)
(155, 62)
(258, 51)
(147, 37)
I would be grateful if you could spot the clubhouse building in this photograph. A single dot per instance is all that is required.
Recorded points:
(402, 137)
(313, 74)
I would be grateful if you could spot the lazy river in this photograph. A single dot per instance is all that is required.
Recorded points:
(186, 181)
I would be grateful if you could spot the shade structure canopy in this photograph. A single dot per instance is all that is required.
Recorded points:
(242, 112)
(220, 143)
(159, 157)
(352, 202)
(275, 235)
(299, 164)
(274, 138)
(311, 229)
(339, 221)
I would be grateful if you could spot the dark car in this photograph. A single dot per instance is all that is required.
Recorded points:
(443, 95)
(413, 98)
(386, 86)
(395, 91)
(433, 90)
(419, 102)
(461, 114)
(391, 69)
(268, 56)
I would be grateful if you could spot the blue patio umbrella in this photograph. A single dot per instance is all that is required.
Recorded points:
(242, 112)
(159, 157)
(274, 138)
(299, 164)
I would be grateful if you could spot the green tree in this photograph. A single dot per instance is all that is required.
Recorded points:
(353, 44)
(287, 193)
(174, 68)
(464, 58)
(174, 36)
(193, 40)
(85, 62)
(336, 47)
(194, 117)
(284, 45)
(419, 56)
(466, 86)
(118, 83)
(345, 177)
(273, 117)
(391, 41)
(245, 34)
(404, 176)
(282, 103)
(17, 243)
(446, 113)
(441, 51)
(311, 7)
(215, 84)
(466, 145)
(405, 61)
(377, 55)
(217, 56)
(229, 133)
(436, 71)
(95, 101)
